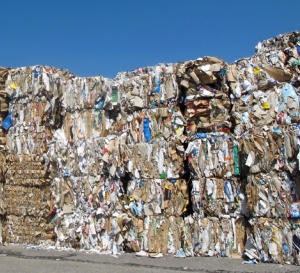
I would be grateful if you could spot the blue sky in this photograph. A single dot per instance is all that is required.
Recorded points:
(105, 37)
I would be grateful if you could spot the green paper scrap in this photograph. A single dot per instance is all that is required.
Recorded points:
(115, 95)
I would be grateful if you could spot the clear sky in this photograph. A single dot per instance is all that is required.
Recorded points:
(91, 37)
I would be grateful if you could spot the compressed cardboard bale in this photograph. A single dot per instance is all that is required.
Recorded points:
(271, 240)
(218, 197)
(205, 94)
(271, 186)
(271, 195)
(167, 122)
(260, 83)
(150, 87)
(150, 197)
(26, 199)
(155, 234)
(160, 159)
(213, 155)
(212, 236)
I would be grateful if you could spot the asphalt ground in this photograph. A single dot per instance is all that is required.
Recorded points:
(15, 258)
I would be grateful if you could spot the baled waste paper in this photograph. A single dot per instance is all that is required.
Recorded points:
(196, 158)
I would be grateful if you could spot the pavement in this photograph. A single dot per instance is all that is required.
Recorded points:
(15, 258)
